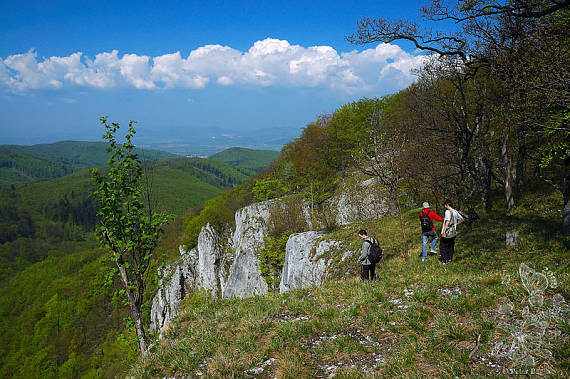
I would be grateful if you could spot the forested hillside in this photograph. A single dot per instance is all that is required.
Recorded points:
(36, 217)
(254, 160)
(20, 164)
(61, 310)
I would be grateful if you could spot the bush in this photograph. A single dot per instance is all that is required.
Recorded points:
(271, 259)
(286, 215)
(266, 189)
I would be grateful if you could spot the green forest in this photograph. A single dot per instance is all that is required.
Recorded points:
(21, 164)
(486, 125)
(62, 312)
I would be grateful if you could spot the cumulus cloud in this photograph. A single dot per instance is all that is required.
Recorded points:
(270, 62)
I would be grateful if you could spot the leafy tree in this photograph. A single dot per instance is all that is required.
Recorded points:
(128, 227)
(454, 113)
(266, 189)
(380, 156)
(522, 47)
(345, 130)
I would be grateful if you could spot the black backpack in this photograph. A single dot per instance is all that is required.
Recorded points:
(375, 253)
(427, 224)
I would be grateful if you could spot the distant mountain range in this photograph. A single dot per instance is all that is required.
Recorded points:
(23, 164)
(208, 141)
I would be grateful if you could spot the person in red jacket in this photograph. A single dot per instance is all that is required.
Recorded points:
(428, 229)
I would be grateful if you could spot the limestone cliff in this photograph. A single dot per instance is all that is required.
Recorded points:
(229, 267)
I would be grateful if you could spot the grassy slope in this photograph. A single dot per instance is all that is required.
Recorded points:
(405, 324)
(255, 160)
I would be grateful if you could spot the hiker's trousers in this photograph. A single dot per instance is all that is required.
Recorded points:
(446, 249)
(367, 272)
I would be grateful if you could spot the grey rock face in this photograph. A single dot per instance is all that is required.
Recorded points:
(365, 201)
(301, 268)
(195, 269)
(512, 238)
(203, 267)
(208, 258)
(244, 276)
(177, 280)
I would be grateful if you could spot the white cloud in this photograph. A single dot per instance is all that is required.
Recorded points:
(136, 70)
(225, 80)
(270, 62)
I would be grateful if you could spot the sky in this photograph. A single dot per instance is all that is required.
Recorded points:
(197, 76)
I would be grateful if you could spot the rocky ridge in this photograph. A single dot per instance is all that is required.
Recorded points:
(229, 267)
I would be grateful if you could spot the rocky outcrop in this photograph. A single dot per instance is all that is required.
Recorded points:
(223, 268)
(209, 256)
(176, 281)
(364, 201)
(305, 264)
(229, 267)
(251, 228)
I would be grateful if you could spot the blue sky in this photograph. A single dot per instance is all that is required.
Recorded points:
(196, 76)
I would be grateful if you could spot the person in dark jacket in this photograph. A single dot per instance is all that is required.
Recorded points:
(426, 234)
(367, 270)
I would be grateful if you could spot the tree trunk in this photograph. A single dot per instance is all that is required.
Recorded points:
(135, 309)
(566, 211)
(509, 174)
(484, 177)
(393, 202)
(405, 239)
(521, 160)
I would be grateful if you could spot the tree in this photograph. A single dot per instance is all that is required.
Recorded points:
(482, 26)
(522, 46)
(128, 227)
(380, 157)
(271, 259)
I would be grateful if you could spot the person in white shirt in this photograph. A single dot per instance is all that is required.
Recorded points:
(448, 233)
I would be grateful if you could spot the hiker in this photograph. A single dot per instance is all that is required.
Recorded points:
(448, 233)
(367, 271)
(428, 229)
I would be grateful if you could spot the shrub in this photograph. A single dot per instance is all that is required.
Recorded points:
(266, 189)
(271, 259)
(286, 215)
